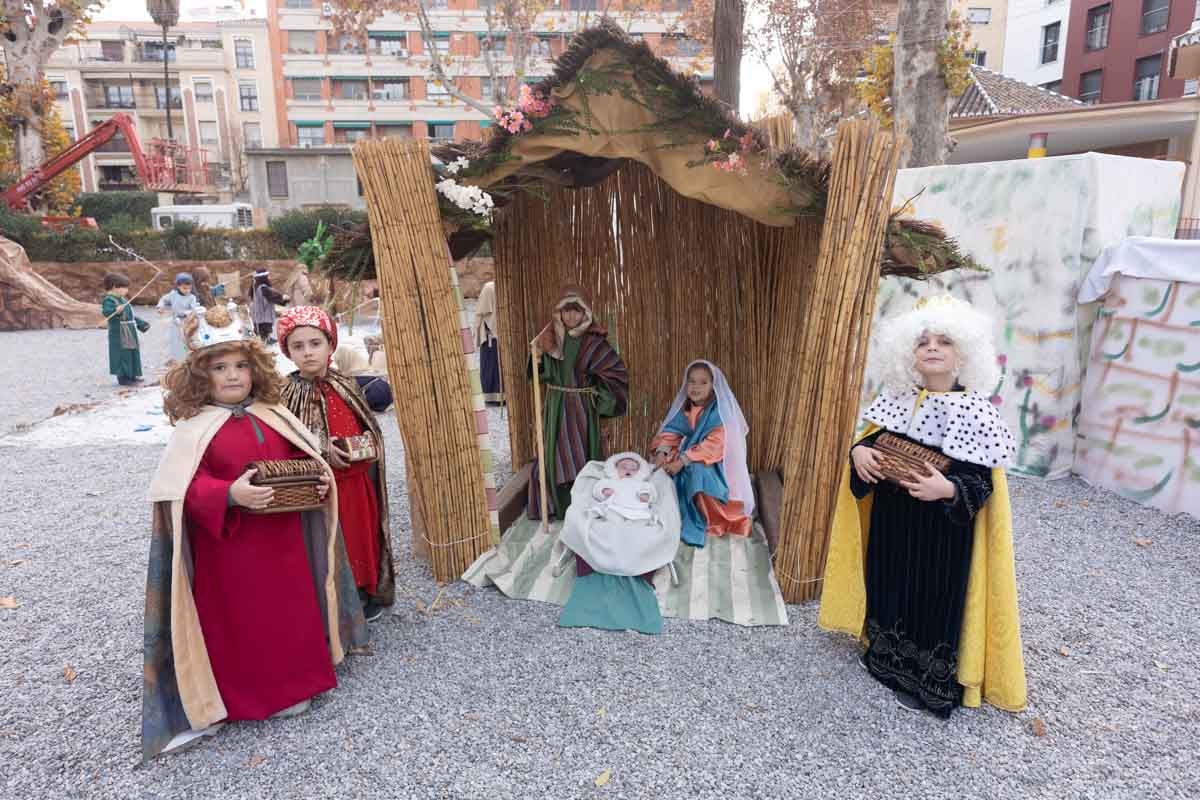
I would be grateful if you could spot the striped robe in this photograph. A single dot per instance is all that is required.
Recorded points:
(571, 420)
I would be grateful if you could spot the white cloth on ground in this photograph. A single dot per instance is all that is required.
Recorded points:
(617, 546)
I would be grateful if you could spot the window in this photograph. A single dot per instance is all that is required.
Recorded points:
(1052, 86)
(681, 45)
(979, 16)
(1154, 15)
(496, 44)
(160, 97)
(310, 135)
(438, 4)
(208, 134)
(1097, 27)
(1090, 84)
(541, 48)
(1145, 77)
(60, 89)
(203, 91)
(1189, 86)
(153, 51)
(350, 90)
(487, 90)
(436, 91)
(441, 130)
(390, 89)
(251, 134)
(349, 135)
(390, 44)
(1050, 42)
(302, 41)
(347, 44)
(117, 177)
(583, 5)
(398, 131)
(441, 43)
(243, 51)
(299, 5)
(248, 96)
(69, 127)
(277, 182)
(118, 96)
(306, 89)
(978, 57)
(112, 51)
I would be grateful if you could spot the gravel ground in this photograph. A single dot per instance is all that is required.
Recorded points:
(483, 697)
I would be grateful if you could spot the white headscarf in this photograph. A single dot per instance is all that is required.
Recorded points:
(737, 475)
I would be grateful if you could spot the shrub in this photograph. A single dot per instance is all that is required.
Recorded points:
(296, 227)
(206, 244)
(119, 225)
(21, 228)
(103, 206)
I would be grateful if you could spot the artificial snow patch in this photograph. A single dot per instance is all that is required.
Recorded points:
(134, 417)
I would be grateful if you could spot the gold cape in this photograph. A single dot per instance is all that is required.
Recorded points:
(990, 663)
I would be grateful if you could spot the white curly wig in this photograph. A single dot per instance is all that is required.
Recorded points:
(893, 358)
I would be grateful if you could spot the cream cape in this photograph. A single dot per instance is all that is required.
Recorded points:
(193, 671)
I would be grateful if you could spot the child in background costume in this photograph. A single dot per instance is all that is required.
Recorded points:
(351, 362)
(124, 353)
(179, 303)
(583, 379)
(702, 443)
(333, 406)
(487, 344)
(922, 570)
(246, 613)
(263, 299)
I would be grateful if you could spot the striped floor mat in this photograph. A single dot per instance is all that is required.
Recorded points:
(730, 578)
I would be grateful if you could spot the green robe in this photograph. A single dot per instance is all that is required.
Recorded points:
(123, 361)
(599, 368)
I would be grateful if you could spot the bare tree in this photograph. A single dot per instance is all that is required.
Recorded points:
(814, 50)
(729, 20)
(30, 33)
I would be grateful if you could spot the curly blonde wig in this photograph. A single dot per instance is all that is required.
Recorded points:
(186, 385)
(893, 354)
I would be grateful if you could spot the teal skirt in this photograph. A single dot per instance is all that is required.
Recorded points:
(612, 602)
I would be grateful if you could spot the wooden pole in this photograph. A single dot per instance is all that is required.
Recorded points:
(541, 433)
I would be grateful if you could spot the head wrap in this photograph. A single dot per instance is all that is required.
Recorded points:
(550, 340)
(183, 277)
(737, 474)
(305, 316)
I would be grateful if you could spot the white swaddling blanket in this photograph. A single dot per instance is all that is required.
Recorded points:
(613, 544)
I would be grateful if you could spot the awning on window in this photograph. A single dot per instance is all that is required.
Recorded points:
(352, 125)
(308, 124)
(387, 34)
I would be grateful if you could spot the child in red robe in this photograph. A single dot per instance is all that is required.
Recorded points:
(334, 408)
(245, 611)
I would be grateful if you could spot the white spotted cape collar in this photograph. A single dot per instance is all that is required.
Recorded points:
(963, 425)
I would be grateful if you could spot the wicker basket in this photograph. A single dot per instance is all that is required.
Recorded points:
(905, 460)
(296, 481)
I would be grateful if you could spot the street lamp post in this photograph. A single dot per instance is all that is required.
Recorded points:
(165, 14)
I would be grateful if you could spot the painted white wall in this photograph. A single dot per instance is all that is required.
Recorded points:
(1023, 39)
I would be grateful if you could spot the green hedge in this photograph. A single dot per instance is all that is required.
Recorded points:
(296, 227)
(176, 244)
(103, 206)
(18, 227)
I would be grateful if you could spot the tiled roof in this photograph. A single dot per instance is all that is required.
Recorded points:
(994, 95)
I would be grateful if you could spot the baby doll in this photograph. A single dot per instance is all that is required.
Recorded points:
(626, 490)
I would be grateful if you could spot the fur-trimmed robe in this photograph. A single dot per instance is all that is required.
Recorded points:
(304, 399)
(179, 690)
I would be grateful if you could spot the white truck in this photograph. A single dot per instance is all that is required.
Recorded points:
(230, 215)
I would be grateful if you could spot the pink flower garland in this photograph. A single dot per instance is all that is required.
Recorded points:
(530, 104)
(730, 151)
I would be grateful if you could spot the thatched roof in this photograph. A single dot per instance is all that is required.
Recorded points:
(615, 100)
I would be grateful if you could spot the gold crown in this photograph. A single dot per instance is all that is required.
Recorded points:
(939, 301)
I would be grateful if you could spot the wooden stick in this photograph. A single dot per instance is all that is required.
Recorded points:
(541, 433)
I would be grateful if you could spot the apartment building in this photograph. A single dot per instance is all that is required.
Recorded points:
(335, 90)
(988, 22)
(220, 97)
(1117, 51)
(1035, 41)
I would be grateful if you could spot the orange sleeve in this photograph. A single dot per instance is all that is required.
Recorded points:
(711, 450)
(665, 439)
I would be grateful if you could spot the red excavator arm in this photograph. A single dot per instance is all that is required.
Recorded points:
(17, 196)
